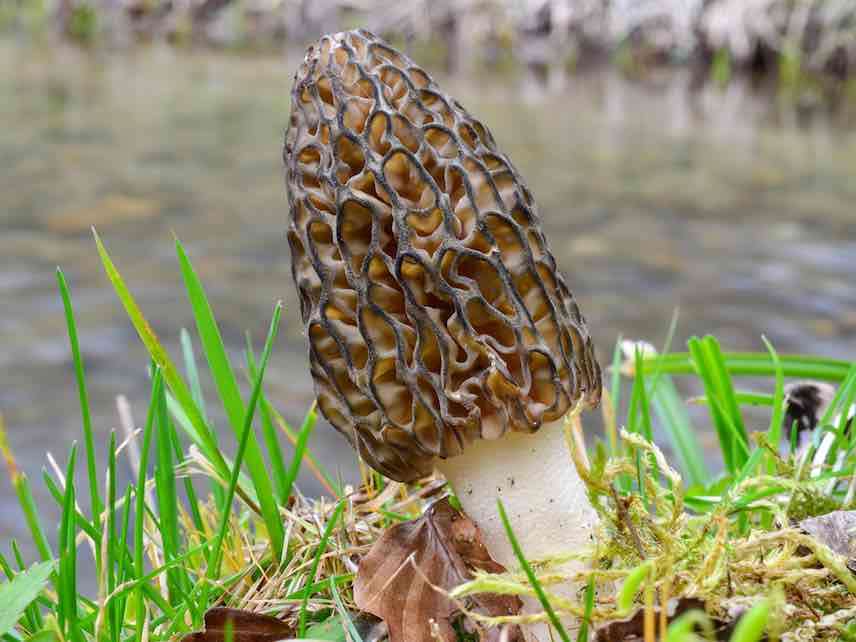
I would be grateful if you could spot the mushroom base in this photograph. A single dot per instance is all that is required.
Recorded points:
(543, 495)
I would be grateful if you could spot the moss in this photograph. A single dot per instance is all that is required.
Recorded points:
(809, 502)
(731, 556)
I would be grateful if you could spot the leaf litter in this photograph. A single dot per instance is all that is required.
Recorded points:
(406, 577)
(418, 564)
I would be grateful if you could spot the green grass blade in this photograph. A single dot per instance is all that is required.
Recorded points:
(312, 589)
(744, 398)
(300, 449)
(583, 633)
(189, 490)
(842, 391)
(754, 364)
(752, 624)
(747, 398)
(67, 594)
(140, 500)
(230, 395)
(683, 628)
(675, 421)
(188, 427)
(131, 586)
(192, 372)
(88, 439)
(198, 396)
(330, 483)
(124, 569)
(632, 585)
(127, 561)
(682, 434)
(7, 568)
(121, 553)
(849, 396)
(83, 522)
(749, 467)
(113, 621)
(277, 463)
(705, 372)
(202, 434)
(724, 384)
(24, 493)
(530, 574)
(167, 497)
(774, 432)
(182, 420)
(615, 393)
(633, 420)
(269, 434)
(86, 526)
(645, 410)
(16, 551)
(322, 546)
(353, 633)
(213, 570)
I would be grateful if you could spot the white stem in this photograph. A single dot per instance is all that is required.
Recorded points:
(543, 495)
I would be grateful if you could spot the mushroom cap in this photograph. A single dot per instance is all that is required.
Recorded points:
(434, 311)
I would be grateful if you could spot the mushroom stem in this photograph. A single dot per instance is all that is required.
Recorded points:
(545, 499)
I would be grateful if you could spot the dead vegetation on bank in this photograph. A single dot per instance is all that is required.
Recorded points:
(766, 35)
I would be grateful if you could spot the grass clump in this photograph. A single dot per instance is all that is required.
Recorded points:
(199, 528)
(163, 553)
(732, 540)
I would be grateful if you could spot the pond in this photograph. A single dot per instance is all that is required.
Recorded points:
(737, 207)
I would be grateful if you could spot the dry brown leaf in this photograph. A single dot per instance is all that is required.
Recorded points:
(404, 577)
(246, 627)
(837, 530)
(632, 628)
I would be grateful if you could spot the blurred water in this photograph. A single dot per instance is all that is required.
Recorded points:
(734, 206)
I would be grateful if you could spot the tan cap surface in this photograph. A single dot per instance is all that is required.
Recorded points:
(435, 314)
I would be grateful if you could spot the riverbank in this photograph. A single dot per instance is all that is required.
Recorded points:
(780, 38)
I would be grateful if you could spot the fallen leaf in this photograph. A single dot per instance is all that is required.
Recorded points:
(837, 530)
(405, 576)
(246, 627)
(632, 629)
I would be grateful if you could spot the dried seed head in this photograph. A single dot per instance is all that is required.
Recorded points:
(434, 311)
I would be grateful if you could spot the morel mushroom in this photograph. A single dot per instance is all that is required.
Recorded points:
(440, 332)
